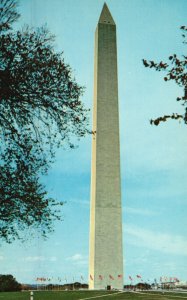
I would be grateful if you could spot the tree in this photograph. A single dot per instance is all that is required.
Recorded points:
(8, 14)
(176, 71)
(143, 286)
(9, 284)
(40, 110)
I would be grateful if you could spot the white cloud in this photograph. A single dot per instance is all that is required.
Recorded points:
(53, 258)
(165, 242)
(39, 258)
(139, 211)
(78, 259)
(75, 257)
(34, 258)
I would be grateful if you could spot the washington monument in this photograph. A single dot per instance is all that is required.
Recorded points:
(106, 253)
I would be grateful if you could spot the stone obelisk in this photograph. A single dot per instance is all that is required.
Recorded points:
(106, 255)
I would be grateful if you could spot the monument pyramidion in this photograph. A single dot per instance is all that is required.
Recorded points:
(106, 253)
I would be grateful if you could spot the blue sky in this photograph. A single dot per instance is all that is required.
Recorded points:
(153, 159)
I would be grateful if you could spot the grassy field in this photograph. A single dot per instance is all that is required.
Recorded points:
(100, 295)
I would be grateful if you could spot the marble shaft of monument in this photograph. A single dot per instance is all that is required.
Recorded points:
(106, 253)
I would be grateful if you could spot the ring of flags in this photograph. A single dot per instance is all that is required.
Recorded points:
(163, 279)
(101, 277)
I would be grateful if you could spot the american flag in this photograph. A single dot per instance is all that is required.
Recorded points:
(138, 276)
(91, 277)
(120, 276)
(130, 278)
(111, 277)
(100, 277)
(43, 279)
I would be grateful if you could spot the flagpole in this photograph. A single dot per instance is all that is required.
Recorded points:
(37, 283)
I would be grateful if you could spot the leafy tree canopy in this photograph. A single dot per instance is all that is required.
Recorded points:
(8, 14)
(9, 284)
(40, 110)
(176, 70)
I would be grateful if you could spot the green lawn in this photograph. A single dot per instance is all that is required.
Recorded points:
(100, 295)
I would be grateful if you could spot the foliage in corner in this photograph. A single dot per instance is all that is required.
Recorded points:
(8, 14)
(40, 110)
(176, 70)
